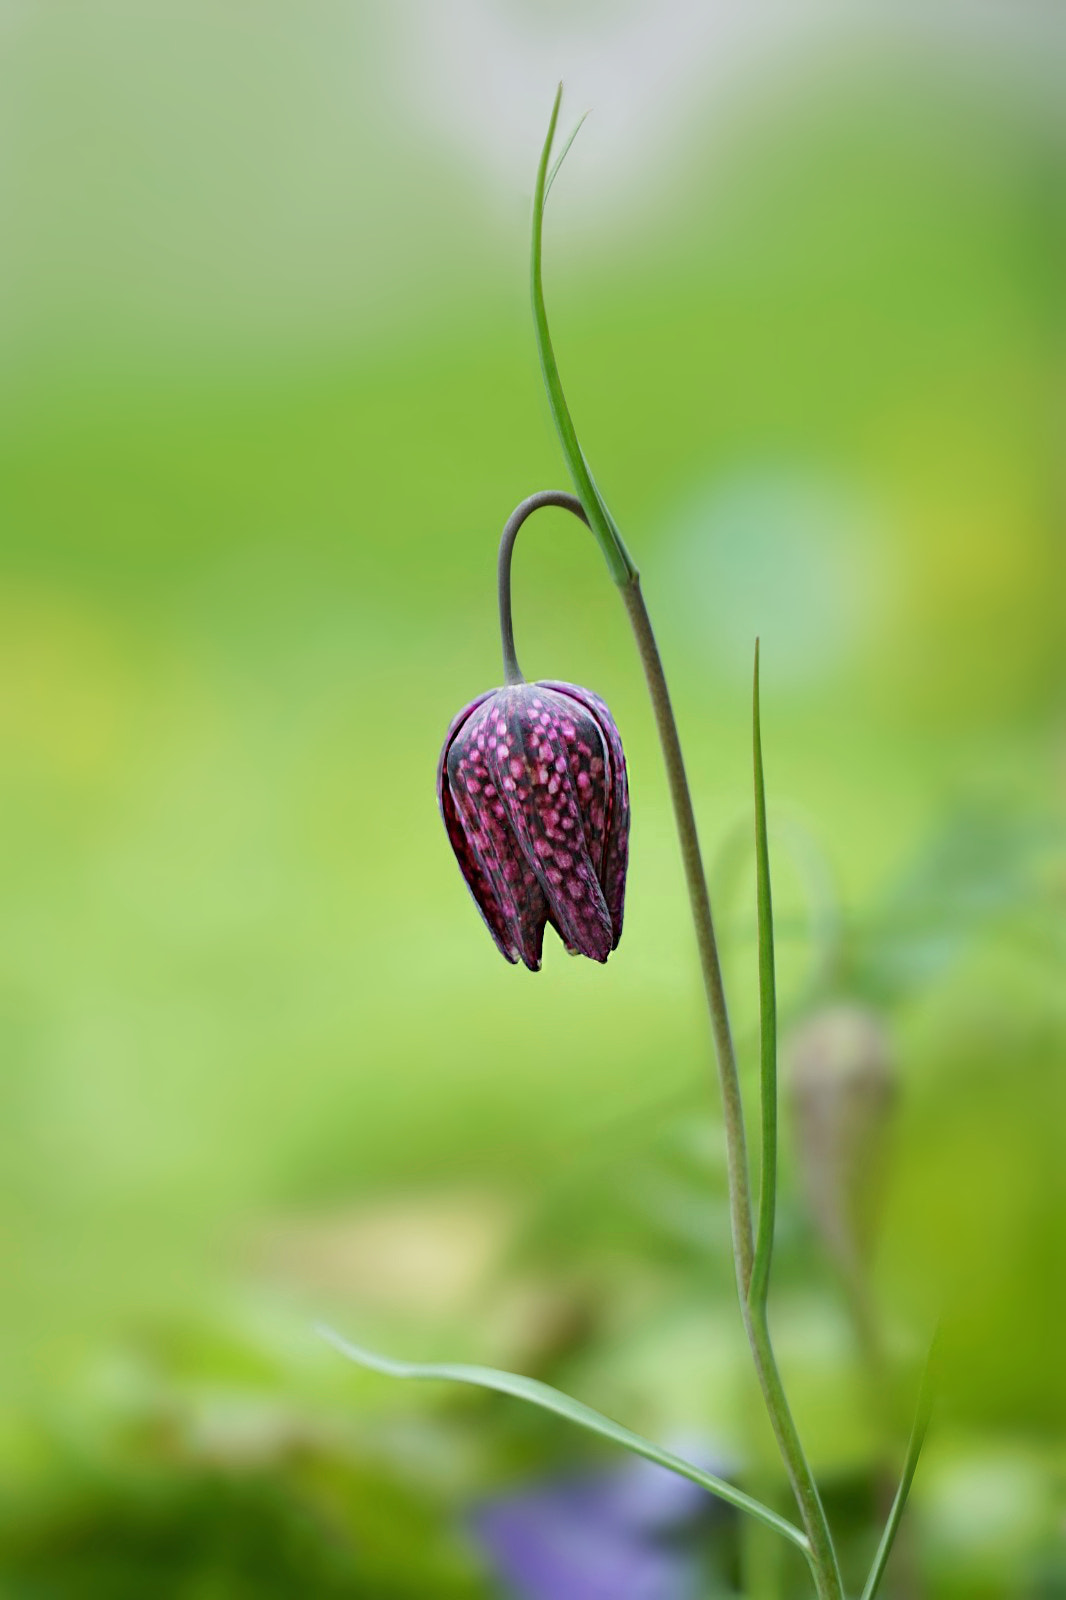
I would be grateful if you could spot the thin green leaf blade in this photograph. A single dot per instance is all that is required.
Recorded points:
(914, 1450)
(764, 1242)
(623, 570)
(561, 157)
(563, 1405)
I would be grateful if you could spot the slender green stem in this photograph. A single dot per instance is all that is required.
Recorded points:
(512, 672)
(700, 903)
(764, 1240)
(914, 1450)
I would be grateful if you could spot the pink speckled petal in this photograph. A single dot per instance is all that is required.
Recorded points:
(544, 748)
(497, 872)
(612, 867)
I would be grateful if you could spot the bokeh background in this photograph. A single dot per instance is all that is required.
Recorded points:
(268, 391)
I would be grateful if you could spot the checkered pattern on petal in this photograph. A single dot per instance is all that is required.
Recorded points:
(612, 868)
(501, 882)
(532, 788)
(541, 763)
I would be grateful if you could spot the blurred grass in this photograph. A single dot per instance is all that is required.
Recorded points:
(242, 991)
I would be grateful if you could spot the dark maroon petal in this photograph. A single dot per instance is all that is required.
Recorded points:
(508, 892)
(476, 879)
(612, 868)
(587, 756)
(536, 756)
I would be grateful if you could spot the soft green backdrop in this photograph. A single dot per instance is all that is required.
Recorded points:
(268, 393)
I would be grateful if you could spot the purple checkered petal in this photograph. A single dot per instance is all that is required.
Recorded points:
(532, 789)
(469, 865)
(504, 887)
(541, 763)
(612, 869)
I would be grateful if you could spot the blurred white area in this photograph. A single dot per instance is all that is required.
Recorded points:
(480, 73)
(184, 174)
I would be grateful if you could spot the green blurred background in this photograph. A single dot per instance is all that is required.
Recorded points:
(268, 391)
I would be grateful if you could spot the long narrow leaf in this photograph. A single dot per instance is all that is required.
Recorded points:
(549, 1399)
(914, 1450)
(561, 157)
(764, 1243)
(599, 518)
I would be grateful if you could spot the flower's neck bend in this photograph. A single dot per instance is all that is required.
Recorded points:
(512, 672)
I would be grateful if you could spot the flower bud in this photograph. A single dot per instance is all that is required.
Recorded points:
(532, 788)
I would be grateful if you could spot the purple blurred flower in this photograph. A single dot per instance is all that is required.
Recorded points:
(532, 789)
(627, 1535)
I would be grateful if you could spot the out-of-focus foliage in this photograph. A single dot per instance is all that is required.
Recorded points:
(268, 392)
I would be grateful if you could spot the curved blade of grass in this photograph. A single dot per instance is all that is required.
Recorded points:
(549, 1399)
(764, 1239)
(914, 1450)
(623, 571)
(561, 157)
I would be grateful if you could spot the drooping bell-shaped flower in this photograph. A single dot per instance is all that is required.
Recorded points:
(533, 792)
(532, 788)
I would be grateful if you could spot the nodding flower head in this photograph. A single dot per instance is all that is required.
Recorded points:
(532, 789)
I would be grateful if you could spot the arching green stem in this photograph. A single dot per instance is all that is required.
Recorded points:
(512, 672)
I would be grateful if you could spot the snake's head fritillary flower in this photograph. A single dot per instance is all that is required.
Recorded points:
(532, 789)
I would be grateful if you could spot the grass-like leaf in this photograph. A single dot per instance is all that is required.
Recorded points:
(914, 1450)
(549, 1399)
(599, 518)
(764, 1242)
(561, 157)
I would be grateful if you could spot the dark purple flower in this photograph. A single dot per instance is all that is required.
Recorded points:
(532, 789)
